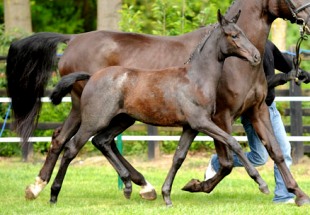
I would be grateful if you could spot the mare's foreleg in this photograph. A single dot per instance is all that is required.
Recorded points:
(262, 125)
(59, 138)
(187, 137)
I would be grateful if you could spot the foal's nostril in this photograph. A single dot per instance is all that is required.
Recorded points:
(257, 58)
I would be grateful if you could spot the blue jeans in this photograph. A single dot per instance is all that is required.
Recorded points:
(258, 155)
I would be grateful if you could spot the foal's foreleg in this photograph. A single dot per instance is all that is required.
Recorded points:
(263, 127)
(217, 133)
(59, 138)
(187, 137)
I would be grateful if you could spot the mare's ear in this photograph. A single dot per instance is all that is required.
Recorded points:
(221, 19)
(235, 18)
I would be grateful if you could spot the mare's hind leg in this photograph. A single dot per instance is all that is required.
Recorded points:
(60, 137)
(187, 137)
(261, 123)
(208, 127)
(71, 149)
(107, 146)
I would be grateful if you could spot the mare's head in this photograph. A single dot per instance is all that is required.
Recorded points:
(297, 11)
(233, 41)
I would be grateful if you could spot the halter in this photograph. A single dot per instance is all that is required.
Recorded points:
(295, 12)
(300, 21)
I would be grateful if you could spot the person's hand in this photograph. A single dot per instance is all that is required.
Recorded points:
(289, 76)
(304, 76)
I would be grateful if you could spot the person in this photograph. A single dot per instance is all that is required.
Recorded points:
(258, 154)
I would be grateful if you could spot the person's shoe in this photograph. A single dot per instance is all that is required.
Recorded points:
(210, 172)
(288, 201)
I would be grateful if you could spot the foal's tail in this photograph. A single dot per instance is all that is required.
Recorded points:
(64, 86)
(29, 66)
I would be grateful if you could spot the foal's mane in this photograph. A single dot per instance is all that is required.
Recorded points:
(201, 44)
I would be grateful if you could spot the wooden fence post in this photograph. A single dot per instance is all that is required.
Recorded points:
(153, 146)
(296, 123)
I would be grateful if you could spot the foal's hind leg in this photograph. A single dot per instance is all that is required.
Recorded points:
(60, 137)
(262, 125)
(99, 142)
(215, 132)
(187, 137)
(147, 190)
(107, 143)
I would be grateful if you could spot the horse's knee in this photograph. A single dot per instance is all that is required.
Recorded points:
(56, 146)
(56, 132)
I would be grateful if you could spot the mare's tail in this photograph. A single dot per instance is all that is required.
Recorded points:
(29, 67)
(64, 86)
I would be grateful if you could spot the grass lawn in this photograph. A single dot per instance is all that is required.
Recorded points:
(90, 187)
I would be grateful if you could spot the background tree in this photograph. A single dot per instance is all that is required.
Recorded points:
(108, 14)
(70, 16)
(17, 16)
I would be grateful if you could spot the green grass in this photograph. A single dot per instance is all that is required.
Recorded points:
(90, 187)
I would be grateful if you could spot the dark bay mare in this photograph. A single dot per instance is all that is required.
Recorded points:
(115, 97)
(29, 66)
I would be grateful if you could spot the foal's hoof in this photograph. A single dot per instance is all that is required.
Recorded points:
(149, 195)
(193, 185)
(127, 193)
(302, 201)
(148, 192)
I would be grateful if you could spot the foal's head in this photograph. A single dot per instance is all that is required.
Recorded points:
(233, 41)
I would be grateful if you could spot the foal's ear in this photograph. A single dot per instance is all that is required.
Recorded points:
(221, 19)
(235, 18)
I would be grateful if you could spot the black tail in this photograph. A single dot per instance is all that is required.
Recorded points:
(64, 86)
(29, 66)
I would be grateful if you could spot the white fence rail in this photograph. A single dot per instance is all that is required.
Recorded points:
(160, 138)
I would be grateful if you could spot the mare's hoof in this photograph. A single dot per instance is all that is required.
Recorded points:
(302, 201)
(52, 203)
(264, 189)
(149, 195)
(169, 205)
(193, 185)
(29, 195)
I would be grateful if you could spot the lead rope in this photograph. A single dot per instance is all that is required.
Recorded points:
(297, 58)
(5, 119)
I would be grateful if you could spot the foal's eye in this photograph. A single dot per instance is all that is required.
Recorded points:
(234, 36)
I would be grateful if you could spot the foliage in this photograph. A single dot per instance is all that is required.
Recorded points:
(63, 16)
(163, 17)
